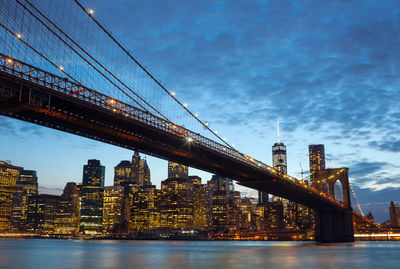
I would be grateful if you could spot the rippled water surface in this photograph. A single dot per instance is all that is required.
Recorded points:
(52, 253)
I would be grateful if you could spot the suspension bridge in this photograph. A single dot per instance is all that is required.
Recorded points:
(73, 75)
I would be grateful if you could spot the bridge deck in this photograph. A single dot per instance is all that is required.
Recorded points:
(33, 95)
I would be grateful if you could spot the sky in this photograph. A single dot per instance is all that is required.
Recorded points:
(327, 70)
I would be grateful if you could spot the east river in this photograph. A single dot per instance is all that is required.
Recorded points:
(55, 253)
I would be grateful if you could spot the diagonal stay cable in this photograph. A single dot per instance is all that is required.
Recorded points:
(89, 55)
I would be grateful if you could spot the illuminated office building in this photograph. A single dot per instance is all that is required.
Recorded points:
(122, 174)
(92, 198)
(317, 159)
(8, 179)
(143, 178)
(41, 215)
(176, 205)
(145, 209)
(279, 162)
(219, 211)
(113, 203)
(219, 188)
(68, 211)
(273, 216)
(26, 186)
(176, 170)
(218, 183)
(199, 205)
(128, 173)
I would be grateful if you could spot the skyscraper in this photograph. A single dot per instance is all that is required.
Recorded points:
(176, 203)
(128, 173)
(279, 161)
(317, 159)
(26, 186)
(317, 162)
(143, 178)
(42, 213)
(113, 209)
(8, 179)
(122, 174)
(68, 211)
(145, 214)
(176, 170)
(92, 198)
(394, 213)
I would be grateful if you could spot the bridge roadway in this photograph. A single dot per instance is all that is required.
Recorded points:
(33, 95)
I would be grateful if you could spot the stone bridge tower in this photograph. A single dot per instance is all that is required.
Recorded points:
(334, 225)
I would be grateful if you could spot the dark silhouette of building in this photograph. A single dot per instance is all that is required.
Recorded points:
(394, 213)
(26, 186)
(41, 215)
(92, 198)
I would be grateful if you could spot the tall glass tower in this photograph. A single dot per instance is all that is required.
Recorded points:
(317, 162)
(92, 198)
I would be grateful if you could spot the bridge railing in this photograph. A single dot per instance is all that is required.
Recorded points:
(65, 86)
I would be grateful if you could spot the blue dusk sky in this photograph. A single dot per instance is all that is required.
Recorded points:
(329, 71)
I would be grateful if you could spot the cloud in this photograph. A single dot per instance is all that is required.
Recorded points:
(392, 146)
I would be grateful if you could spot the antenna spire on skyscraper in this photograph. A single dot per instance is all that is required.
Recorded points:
(278, 133)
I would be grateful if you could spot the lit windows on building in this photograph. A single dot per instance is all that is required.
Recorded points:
(145, 209)
(113, 203)
(8, 179)
(199, 206)
(92, 198)
(176, 170)
(26, 186)
(42, 213)
(68, 211)
(176, 205)
(279, 160)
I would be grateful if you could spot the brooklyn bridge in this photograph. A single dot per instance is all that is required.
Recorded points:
(58, 73)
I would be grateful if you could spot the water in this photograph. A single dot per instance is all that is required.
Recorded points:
(53, 253)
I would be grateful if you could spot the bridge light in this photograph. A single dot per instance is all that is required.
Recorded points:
(114, 110)
(173, 93)
(174, 126)
(112, 101)
(61, 68)
(196, 115)
(216, 132)
(19, 36)
(185, 105)
(90, 11)
(189, 139)
(9, 61)
(206, 123)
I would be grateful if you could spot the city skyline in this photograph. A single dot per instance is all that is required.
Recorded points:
(362, 138)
